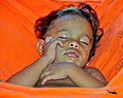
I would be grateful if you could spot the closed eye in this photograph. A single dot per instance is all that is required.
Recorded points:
(84, 42)
(63, 37)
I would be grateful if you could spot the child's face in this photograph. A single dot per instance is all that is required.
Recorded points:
(75, 33)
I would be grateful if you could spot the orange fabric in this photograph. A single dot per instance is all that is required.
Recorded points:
(8, 90)
(17, 46)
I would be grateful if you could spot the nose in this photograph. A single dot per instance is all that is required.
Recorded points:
(74, 45)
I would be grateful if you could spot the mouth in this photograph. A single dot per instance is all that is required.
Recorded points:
(72, 53)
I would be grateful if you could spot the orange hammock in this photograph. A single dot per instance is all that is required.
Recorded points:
(17, 47)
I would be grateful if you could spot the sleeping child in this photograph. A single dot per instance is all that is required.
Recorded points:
(67, 41)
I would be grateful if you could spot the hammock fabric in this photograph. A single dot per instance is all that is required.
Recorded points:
(17, 47)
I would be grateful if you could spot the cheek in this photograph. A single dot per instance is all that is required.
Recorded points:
(59, 52)
(85, 52)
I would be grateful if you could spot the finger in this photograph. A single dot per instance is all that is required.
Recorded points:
(49, 66)
(54, 40)
(48, 39)
(45, 73)
(58, 42)
(46, 69)
(49, 77)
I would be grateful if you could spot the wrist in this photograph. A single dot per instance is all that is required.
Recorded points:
(70, 69)
(46, 60)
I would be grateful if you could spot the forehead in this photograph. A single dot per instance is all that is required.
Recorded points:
(73, 23)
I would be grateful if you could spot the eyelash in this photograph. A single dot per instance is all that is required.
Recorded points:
(84, 42)
(63, 37)
(80, 41)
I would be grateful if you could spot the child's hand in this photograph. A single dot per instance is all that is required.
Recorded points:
(49, 49)
(56, 71)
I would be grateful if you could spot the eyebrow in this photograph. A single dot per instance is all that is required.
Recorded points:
(62, 30)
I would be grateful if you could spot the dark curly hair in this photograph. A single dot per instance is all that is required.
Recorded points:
(83, 10)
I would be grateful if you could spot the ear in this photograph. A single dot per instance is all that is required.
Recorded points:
(39, 46)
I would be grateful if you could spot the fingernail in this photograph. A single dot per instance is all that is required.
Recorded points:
(42, 83)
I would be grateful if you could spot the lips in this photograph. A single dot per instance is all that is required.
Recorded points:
(72, 53)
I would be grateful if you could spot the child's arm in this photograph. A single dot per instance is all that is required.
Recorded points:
(30, 75)
(90, 77)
